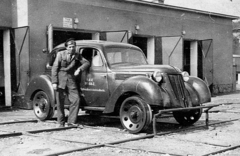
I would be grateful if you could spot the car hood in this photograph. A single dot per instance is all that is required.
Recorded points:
(146, 68)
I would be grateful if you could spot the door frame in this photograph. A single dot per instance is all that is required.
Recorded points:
(7, 67)
(18, 52)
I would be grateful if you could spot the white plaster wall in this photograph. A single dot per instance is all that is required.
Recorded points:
(22, 13)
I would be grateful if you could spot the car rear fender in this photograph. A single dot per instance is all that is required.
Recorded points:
(197, 87)
(146, 88)
(41, 82)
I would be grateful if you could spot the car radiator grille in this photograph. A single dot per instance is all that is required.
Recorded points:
(179, 89)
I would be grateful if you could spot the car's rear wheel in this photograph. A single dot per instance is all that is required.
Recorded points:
(187, 118)
(135, 114)
(42, 107)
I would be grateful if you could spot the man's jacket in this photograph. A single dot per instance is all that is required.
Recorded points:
(63, 68)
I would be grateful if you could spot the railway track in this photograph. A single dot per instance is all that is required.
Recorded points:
(114, 144)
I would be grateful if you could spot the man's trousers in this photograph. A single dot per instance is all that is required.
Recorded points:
(73, 95)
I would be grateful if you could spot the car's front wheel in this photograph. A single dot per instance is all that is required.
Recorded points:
(42, 107)
(135, 114)
(187, 118)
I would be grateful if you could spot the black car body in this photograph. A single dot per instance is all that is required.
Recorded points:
(120, 82)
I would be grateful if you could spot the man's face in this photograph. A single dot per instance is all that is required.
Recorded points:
(71, 48)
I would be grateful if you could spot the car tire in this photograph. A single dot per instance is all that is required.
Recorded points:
(187, 118)
(42, 107)
(135, 114)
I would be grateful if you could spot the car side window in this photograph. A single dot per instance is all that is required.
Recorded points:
(93, 56)
(97, 60)
(114, 57)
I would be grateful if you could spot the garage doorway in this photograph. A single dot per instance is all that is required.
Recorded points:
(192, 58)
(141, 42)
(57, 35)
(198, 59)
(60, 36)
(147, 45)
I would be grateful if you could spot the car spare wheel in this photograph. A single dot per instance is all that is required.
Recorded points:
(42, 106)
(135, 114)
(187, 118)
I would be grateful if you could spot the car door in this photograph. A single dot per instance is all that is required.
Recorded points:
(94, 84)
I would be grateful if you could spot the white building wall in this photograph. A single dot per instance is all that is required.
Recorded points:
(22, 13)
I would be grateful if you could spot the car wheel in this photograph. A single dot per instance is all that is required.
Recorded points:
(187, 118)
(42, 107)
(135, 114)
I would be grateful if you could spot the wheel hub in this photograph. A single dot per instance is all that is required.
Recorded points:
(42, 104)
(135, 114)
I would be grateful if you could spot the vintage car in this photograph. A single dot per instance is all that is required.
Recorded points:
(121, 83)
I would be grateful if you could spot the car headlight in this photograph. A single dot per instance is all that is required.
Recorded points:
(157, 76)
(185, 76)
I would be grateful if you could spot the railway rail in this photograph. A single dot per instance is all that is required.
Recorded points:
(116, 143)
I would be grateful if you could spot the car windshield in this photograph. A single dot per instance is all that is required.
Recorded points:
(125, 56)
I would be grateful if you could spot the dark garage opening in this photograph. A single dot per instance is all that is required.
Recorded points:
(186, 56)
(141, 42)
(60, 36)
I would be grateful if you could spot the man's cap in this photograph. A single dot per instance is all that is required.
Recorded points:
(70, 42)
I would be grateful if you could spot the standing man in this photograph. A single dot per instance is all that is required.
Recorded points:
(67, 65)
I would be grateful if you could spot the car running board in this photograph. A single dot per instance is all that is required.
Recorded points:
(94, 108)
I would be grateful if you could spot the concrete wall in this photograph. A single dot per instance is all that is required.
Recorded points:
(153, 20)
(5, 13)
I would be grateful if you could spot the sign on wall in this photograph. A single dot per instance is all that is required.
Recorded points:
(67, 22)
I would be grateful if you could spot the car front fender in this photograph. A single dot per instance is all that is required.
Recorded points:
(193, 95)
(148, 90)
(43, 83)
(197, 86)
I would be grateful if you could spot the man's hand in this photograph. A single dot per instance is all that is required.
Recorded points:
(54, 86)
(77, 72)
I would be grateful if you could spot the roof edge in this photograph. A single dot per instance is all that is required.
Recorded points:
(184, 9)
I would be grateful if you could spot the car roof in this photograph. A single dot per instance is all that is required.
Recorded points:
(100, 44)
